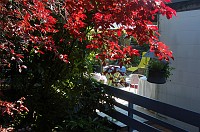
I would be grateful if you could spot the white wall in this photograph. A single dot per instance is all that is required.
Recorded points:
(182, 34)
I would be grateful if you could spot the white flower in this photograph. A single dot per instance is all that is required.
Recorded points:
(99, 77)
(103, 79)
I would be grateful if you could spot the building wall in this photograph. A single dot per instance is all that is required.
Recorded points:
(182, 35)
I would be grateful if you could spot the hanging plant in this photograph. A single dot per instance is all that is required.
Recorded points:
(158, 71)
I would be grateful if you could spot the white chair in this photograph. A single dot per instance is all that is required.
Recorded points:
(134, 79)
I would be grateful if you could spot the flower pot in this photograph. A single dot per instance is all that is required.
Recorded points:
(156, 76)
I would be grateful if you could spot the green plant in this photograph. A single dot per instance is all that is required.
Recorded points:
(158, 65)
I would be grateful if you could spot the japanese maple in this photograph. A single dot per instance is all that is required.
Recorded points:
(35, 23)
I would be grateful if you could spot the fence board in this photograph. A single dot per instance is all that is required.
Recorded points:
(171, 111)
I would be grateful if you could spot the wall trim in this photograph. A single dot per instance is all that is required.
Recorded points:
(185, 5)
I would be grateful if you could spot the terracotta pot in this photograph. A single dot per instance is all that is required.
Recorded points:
(156, 76)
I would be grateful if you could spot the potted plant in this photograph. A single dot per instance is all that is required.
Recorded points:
(158, 71)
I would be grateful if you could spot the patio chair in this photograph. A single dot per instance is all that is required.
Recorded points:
(144, 61)
(134, 80)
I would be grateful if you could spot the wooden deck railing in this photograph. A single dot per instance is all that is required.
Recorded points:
(157, 107)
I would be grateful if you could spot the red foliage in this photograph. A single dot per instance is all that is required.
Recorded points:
(10, 108)
(36, 23)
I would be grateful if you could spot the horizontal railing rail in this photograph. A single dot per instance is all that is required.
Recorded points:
(180, 114)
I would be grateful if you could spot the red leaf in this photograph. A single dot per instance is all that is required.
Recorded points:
(167, 1)
(119, 33)
(41, 52)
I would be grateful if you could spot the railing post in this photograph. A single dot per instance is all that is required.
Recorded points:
(130, 114)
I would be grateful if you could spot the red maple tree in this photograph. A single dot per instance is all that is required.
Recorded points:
(35, 24)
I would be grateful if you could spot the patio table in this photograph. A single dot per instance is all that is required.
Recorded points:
(146, 88)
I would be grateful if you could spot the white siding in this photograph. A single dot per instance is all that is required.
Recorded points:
(182, 34)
